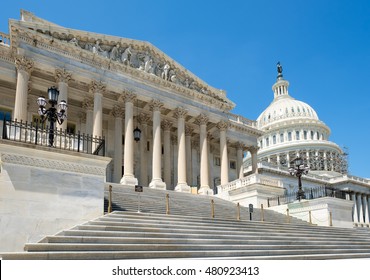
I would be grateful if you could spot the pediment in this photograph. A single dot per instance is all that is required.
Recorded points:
(135, 56)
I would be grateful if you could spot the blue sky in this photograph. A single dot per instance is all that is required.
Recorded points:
(323, 45)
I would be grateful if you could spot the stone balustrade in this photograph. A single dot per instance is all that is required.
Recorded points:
(249, 180)
(4, 39)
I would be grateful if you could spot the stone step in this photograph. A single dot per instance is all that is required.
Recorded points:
(241, 254)
(216, 229)
(190, 247)
(167, 221)
(169, 240)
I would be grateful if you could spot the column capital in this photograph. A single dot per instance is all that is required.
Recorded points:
(155, 105)
(88, 103)
(144, 118)
(180, 112)
(96, 86)
(118, 111)
(252, 149)
(166, 125)
(223, 125)
(24, 63)
(129, 96)
(240, 146)
(202, 119)
(61, 75)
(188, 130)
(174, 140)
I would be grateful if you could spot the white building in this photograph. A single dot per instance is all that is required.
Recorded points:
(291, 129)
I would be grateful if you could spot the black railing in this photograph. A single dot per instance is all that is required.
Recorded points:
(38, 134)
(324, 191)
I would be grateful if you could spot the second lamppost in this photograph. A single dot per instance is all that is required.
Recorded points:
(298, 168)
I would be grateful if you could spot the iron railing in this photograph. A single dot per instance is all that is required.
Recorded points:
(38, 133)
(323, 191)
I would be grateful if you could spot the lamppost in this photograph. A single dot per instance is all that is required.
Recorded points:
(51, 114)
(298, 168)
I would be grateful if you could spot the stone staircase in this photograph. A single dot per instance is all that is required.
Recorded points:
(132, 235)
(185, 204)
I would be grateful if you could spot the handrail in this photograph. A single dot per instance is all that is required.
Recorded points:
(38, 133)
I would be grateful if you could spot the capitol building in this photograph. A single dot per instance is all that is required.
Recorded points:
(127, 114)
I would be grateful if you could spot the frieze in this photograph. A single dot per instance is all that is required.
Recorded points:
(52, 164)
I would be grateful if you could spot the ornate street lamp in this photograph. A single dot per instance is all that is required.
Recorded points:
(51, 114)
(137, 131)
(298, 168)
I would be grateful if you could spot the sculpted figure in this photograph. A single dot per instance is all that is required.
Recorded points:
(279, 68)
(166, 69)
(114, 54)
(98, 50)
(74, 41)
(126, 56)
(148, 66)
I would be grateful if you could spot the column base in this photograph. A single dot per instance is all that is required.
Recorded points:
(205, 191)
(157, 184)
(182, 187)
(129, 180)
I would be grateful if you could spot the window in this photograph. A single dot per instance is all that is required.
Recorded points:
(267, 142)
(217, 161)
(274, 139)
(305, 135)
(232, 164)
(261, 146)
(289, 136)
(71, 128)
(297, 135)
(311, 135)
(317, 135)
(281, 138)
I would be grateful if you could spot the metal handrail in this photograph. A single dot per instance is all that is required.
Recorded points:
(38, 133)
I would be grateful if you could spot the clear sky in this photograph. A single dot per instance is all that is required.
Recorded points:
(323, 46)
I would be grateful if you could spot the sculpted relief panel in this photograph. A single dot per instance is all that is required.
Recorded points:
(140, 59)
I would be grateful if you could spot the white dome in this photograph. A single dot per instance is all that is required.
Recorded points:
(285, 107)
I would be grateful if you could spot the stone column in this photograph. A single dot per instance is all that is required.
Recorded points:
(118, 113)
(202, 120)
(188, 147)
(62, 78)
(182, 185)
(253, 150)
(157, 181)
(166, 126)
(366, 208)
(144, 119)
(360, 208)
(222, 126)
(128, 178)
(355, 213)
(97, 89)
(239, 159)
(88, 105)
(24, 68)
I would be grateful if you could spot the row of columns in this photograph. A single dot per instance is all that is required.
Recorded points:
(94, 126)
(361, 208)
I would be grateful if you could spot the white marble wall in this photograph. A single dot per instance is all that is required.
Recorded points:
(43, 192)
